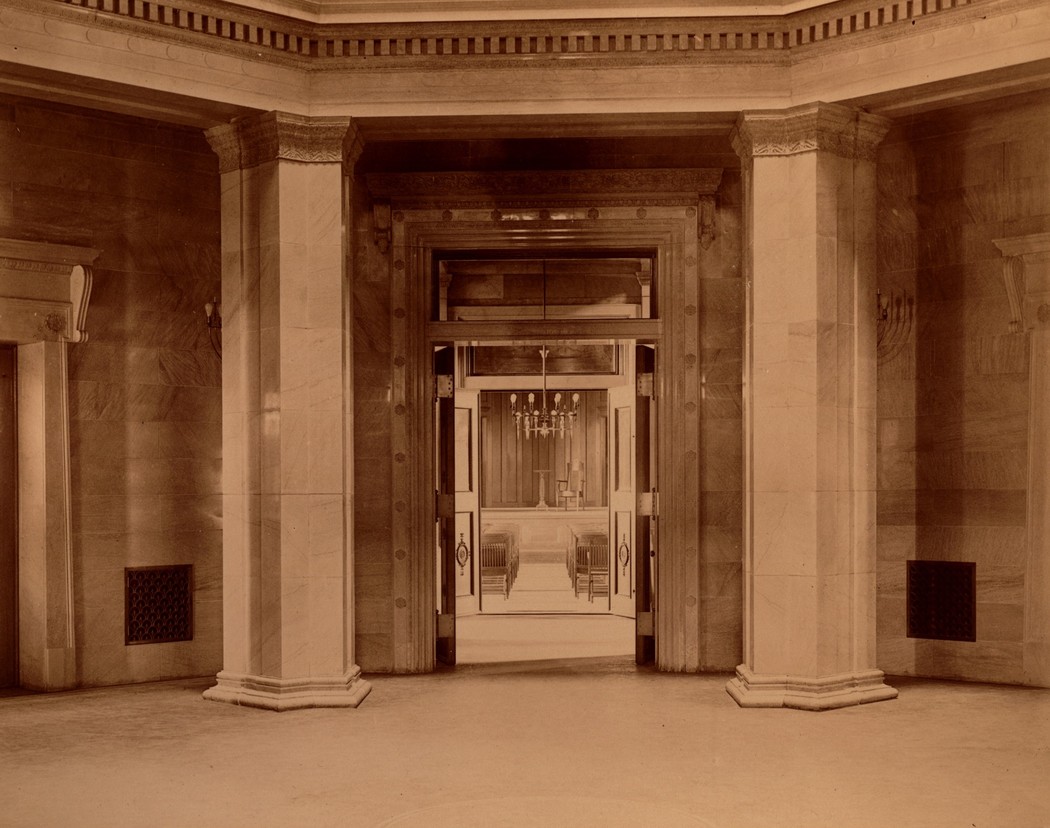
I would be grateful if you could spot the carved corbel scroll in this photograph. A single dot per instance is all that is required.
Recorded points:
(1026, 277)
(44, 291)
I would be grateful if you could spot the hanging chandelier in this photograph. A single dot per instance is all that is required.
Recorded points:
(544, 421)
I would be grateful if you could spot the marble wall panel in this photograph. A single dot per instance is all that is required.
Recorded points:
(721, 465)
(721, 401)
(145, 406)
(953, 409)
(1007, 469)
(721, 544)
(1002, 354)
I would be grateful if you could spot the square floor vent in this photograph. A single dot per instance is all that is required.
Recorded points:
(158, 604)
(942, 600)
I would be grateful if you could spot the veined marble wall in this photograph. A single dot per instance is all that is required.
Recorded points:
(373, 464)
(145, 395)
(953, 396)
(721, 320)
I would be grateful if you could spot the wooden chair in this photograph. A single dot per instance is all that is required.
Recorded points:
(495, 572)
(508, 536)
(591, 563)
(571, 488)
(597, 570)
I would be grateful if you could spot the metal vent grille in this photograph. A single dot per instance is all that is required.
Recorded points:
(158, 604)
(942, 600)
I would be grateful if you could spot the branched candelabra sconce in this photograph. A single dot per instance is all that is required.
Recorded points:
(213, 317)
(895, 315)
(544, 421)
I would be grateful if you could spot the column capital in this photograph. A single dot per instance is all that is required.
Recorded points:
(353, 146)
(833, 128)
(273, 136)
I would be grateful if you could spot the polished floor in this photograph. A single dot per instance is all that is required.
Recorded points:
(540, 739)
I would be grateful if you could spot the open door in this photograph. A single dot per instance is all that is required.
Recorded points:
(445, 494)
(633, 498)
(622, 500)
(468, 512)
(644, 563)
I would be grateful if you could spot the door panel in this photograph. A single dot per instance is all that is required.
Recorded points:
(646, 520)
(8, 525)
(445, 510)
(468, 516)
(622, 493)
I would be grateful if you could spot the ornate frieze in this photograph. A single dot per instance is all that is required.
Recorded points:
(280, 136)
(832, 128)
(545, 188)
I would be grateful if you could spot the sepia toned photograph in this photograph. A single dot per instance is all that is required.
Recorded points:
(524, 414)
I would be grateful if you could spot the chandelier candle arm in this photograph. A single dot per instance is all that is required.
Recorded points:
(544, 421)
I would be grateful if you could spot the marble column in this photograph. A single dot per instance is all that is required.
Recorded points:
(1026, 276)
(809, 420)
(288, 638)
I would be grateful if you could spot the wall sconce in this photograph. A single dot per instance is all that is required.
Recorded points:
(213, 317)
(894, 317)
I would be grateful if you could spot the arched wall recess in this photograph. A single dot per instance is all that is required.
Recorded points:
(44, 295)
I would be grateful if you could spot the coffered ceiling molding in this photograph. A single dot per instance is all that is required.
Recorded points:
(388, 11)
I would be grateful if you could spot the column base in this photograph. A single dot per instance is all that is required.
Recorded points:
(289, 694)
(805, 693)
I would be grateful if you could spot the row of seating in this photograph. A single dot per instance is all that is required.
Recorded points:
(587, 561)
(499, 561)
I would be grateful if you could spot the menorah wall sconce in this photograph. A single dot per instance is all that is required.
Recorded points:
(213, 319)
(894, 317)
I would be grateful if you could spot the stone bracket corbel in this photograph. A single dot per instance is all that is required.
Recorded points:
(45, 290)
(382, 232)
(1026, 277)
(706, 224)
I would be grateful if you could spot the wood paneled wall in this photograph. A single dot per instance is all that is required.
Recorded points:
(509, 464)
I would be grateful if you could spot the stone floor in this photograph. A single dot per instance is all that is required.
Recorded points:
(551, 741)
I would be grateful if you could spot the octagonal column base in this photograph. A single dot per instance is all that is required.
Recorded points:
(749, 689)
(289, 694)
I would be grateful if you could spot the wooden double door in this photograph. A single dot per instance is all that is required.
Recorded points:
(628, 491)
